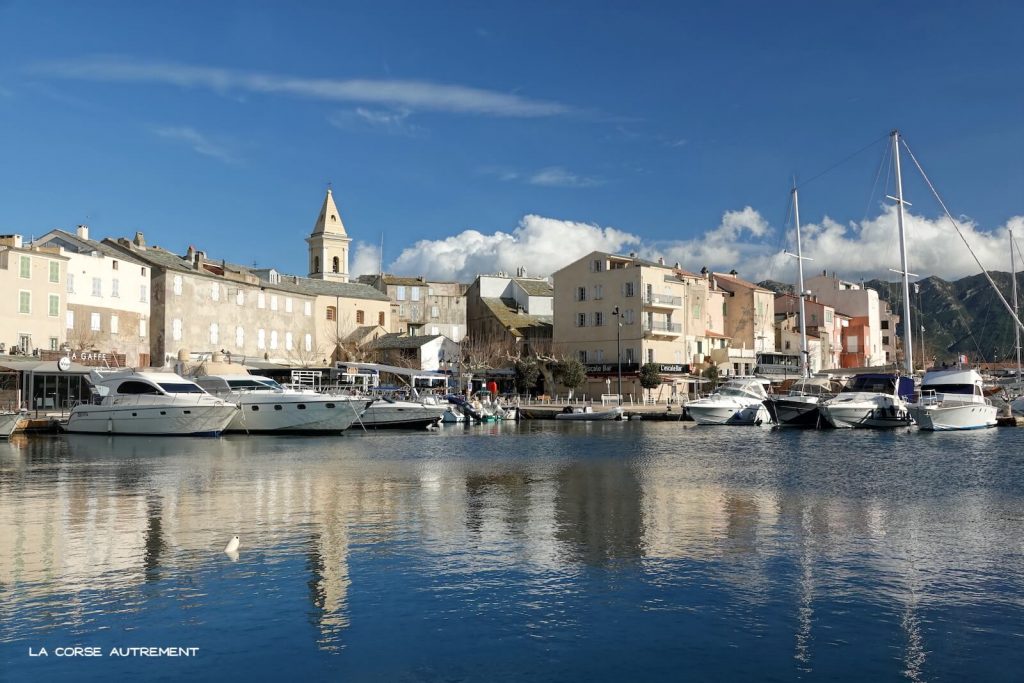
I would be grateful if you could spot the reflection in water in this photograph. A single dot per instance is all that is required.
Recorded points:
(544, 538)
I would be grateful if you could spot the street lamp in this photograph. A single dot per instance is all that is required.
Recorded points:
(618, 352)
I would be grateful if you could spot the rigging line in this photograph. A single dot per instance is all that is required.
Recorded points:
(886, 156)
(843, 161)
(956, 225)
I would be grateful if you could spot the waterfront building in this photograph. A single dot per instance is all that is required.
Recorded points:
(510, 312)
(421, 352)
(107, 298)
(328, 244)
(862, 337)
(749, 312)
(824, 331)
(33, 282)
(613, 311)
(199, 305)
(421, 306)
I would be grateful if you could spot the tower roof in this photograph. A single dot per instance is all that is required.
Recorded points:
(329, 220)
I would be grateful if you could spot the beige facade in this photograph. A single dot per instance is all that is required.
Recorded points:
(857, 302)
(610, 308)
(510, 312)
(107, 297)
(423, 307)
(824, 331)
(33, 295)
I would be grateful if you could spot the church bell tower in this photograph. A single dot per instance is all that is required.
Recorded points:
(328, 245)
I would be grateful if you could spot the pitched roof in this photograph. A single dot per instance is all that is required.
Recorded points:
(81, 245)
(737, 282)
(507, 313)
(397, 341)
(344, 290)
(329, 220)
(535, 287)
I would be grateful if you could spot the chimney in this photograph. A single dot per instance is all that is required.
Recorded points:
(82, 231)
(190, 255)
(524, 271)
(661, 260)
(11, 241)
(140, 240)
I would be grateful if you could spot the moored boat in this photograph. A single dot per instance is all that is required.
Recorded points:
(953, 400)
(801, 406)
(871, 400)
(149, 403)
(588, 414)
(9, 422)
(737, 402)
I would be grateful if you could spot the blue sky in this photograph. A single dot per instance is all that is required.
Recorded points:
(474, 136)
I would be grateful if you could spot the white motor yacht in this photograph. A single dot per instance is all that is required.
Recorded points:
(150, 403)
(737, 402)
(387, 413)
(267, 406)
(872, 400)
(952, 400)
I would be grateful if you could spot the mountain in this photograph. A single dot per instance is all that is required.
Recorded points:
(960, 317)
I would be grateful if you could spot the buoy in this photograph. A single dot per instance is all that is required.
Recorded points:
(232, 546)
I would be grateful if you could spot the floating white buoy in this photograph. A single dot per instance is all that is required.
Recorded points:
(232, 546)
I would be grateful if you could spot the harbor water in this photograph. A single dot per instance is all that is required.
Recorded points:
(539, 551)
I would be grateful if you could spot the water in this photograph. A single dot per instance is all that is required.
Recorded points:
(543, 551)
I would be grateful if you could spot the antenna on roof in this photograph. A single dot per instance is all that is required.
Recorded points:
(380, 255)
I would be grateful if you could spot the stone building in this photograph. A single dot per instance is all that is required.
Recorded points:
(508, 311)
(420, 306)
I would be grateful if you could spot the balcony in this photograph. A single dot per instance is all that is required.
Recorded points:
(658, 328)
(662, 301)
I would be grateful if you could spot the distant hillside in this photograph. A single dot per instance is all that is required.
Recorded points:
(964, 316)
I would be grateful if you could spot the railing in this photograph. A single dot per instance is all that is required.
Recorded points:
(663, 299)
(656, 326)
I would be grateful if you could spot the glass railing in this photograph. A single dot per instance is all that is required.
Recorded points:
(658, 326)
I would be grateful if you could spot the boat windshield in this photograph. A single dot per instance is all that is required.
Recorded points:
(874, 384)
(181, 388)
(967, 389)
(254, 384)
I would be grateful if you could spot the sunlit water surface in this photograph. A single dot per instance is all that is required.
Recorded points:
(540, 551)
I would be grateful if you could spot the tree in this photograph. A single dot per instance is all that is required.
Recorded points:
(649, 377)
(526, 373)
(572, 374)
(711, 373)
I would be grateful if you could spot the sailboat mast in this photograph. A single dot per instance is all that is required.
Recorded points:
(907, 334)
(804, 356)
(1016, 329)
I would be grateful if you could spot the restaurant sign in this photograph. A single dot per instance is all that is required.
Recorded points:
(96, 359)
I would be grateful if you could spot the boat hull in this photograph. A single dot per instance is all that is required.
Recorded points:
(399, 415)
(938, 418)
(603, 415)
(866, 415)
(787, 412)
(289, 414)
(8, 423)
(155, 420)
(754, 414)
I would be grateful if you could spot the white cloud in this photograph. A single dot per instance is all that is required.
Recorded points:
(556, 176)
(197, 141)
(388, 120)
(365, 259)
(392, 93)
(542, 245)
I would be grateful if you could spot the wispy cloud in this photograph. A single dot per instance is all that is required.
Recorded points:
(423, 95)
(396, 121)
(199, 143)
(556, 176)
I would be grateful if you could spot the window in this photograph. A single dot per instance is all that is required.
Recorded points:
(273, 302)
(69, 320)
(696, 310)
(828, 316)
(143, 294)
(581, 294)
(597, 265)
(885, 340)
(239, 337)
(94, 322)
(135, 387)
(583, 356)
(273, 339)
(360, 316)
(700, 348)
(400, 293)
(308, 342)
(261, 339)
(176, 329)
(142, 270)
(261, 300)
(240, 297)
(581, 320)
(628, 316)
(142, 327)
(54, 310)
(415, 292)
(24, 302)
(316, 264)
(650, 355)
(53, 343)
(214, 333)
(434, 330)
(332, 313)
(885, 324)
(26, 267)
(71, 283)
(598, 292)
(215, 292)
(599, 356)
(25, 342)
(629, 355)
(115, 288)
(114, 264)
(114, 323)
(54, 271)
(598, 319)
(307, 307)
(288, 341)
(380, 318)
(177, 285)
(434, 312)
(287, 304)
(628, 290)
(97, 287)
(336, 265)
